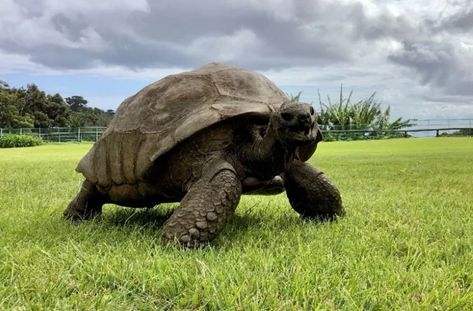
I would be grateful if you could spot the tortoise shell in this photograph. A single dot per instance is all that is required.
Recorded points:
(163, 114)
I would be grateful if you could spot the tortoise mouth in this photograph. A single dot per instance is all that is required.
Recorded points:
(300, 133)
(301, 129)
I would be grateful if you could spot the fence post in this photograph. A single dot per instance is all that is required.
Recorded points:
(78, 134)
(1, 132)
(21, 131)
(96, 133)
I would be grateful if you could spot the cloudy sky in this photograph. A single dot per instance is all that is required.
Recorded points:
(417, 55)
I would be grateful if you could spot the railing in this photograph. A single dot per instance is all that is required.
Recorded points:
(66, 134)
(418, 128)
(59, 134)
(442, 123)
(377, 134)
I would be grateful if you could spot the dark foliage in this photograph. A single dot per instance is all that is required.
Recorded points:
(81, 115)
(30, 107)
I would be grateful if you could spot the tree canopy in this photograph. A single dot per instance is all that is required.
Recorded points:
(32, 107)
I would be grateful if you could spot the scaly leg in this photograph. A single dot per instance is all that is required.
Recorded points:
(206, 208)
(311, 194)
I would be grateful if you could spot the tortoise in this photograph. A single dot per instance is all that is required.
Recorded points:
(204, 138)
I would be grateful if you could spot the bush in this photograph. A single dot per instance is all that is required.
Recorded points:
(365, 119)
(13, 140)
(366, 114)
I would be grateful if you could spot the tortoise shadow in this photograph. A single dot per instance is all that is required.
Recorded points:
(149, 222)
(146, 218)
(154, 218)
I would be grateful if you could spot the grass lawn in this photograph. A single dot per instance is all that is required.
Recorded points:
(406, 242)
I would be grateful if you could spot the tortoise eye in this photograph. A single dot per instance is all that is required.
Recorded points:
(312, 111)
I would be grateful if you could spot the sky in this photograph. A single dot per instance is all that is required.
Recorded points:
(416, 55)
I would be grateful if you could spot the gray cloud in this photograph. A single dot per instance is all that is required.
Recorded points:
(459, 21)
(173, 33)
(441, 52)
(438, 64)
(436, 46)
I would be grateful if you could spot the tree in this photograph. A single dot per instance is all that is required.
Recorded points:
(34, 104)
(76, 103)
(10, 115)
(57, 111)
(81, 115)
(47, 110)
(32, 107)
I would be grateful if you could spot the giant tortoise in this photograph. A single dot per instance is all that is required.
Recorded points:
(204, 138)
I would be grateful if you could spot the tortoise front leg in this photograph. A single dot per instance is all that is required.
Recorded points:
(205, 209)
(86, 205)
(311, 194)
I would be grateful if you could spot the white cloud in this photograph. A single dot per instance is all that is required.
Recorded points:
(87, 7)
(228, 47)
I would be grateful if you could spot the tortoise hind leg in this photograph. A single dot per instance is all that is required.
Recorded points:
(86, 205)
(206, 208)
(311, 194)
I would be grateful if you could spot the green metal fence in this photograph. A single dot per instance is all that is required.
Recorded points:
(379, 134)
(59, 134)
(66, 134)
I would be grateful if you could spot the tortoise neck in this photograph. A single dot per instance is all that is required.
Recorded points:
(266, 155)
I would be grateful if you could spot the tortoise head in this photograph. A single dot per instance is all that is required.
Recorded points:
(296, 124)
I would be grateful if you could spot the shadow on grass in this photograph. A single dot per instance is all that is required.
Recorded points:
(149, 221)
(154, 218)
(244, 228)
(146, 218)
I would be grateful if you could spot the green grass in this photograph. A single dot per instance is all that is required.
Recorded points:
(406, 242)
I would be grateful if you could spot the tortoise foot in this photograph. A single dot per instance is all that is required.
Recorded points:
(86, 205)
(311, 193)
(77, 212)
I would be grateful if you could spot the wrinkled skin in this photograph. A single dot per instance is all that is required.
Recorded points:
(209, 172)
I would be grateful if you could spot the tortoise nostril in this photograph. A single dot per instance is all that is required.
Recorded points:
(304, 118)
(287, 116)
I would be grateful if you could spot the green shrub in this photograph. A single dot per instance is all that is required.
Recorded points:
(13, 140)
(366, 114)
(365, 119)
